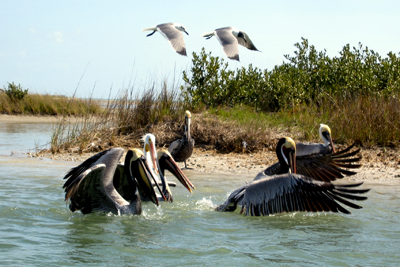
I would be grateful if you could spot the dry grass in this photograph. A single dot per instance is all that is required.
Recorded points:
(36, 104)
(366, 120)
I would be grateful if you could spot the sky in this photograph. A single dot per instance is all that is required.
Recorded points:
(96, 48)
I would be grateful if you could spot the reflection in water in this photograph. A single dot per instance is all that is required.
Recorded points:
(37, 227)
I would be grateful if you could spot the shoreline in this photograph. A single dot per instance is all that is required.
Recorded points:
(208, 161)
(379, 165)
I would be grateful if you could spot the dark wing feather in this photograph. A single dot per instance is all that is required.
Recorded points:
(78, 170)
(293, 192)
(329, 167)
(248, 43)
(87, 193)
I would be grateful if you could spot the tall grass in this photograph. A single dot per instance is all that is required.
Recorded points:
(367, 120)
(37, 104)
(124, 120)
(357, 94)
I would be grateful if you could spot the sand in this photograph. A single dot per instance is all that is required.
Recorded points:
(380, 165)
(207, 161)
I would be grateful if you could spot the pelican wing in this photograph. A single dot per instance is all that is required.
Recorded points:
(87, 194)
(228, 42)
(306, 149)
(90, 187)
(329, 167)
(174, 37)
(248, 43)
(271, 170)
(76, 171)
(293, 192)
(174, 146)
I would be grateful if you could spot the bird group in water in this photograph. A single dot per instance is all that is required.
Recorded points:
(301, 180)
(228, 37)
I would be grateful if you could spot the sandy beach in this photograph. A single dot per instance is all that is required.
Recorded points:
(380, 165)
(376, 171)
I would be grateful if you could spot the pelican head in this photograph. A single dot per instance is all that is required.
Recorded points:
(137, 169)
(287, 150)
(325, 134)
(181, 28)
(168, 163)
(149, 150)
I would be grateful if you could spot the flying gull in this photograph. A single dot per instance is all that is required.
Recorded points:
(229, 38)
(172, 32)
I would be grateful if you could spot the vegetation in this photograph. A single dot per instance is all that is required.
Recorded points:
(356, 93)
(16, 100)
(308, 77)
(15, 92)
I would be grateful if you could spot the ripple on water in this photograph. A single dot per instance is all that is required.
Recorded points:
(37, 228)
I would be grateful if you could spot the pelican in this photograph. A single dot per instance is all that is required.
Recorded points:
(322, 167)
(182, 149)
(164, 162)
(229, 38)
(290, 192)
(328, 147)
(100, 184)
(172, 32)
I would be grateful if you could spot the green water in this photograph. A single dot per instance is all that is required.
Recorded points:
(37, 229)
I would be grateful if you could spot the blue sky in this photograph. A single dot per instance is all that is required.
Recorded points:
(47, 46)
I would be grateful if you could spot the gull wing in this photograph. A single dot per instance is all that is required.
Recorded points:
(228, 41)
(248, 43)
(174, 37)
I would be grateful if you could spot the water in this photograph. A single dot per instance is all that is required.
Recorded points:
(37, 229)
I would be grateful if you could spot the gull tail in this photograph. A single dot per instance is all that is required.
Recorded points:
(208, 35)
(149, 29)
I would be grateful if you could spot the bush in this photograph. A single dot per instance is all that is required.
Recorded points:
(15, 92)
(307, 77)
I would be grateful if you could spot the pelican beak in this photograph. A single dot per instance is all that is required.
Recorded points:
(292, 161)
(153, 154)
(168, 163)
(328, 136)
(141, 172)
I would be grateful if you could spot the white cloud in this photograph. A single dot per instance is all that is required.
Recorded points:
(57, 35)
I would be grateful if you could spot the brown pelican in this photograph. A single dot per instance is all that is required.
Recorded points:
(100, 184)
(303, 149)
(289, 192)
(182, 149)
(322, 167)
(172, 32)
(229, 38)
(164, 162)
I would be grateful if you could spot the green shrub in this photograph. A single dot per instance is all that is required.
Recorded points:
(15, 92)
(307, 77)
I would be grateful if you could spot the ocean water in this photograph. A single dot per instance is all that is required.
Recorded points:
(37, 228)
